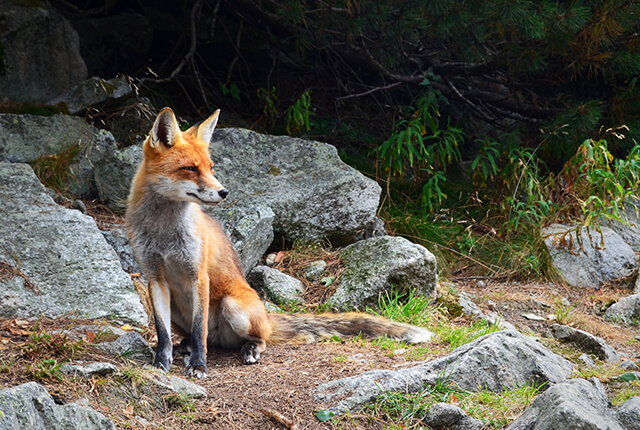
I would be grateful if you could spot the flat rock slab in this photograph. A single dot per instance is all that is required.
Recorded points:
(177, 384)
(586, 341)
(589, 258)
(497, 361)
(132, 345)
(62, 262)
(88, 370)
(30, 406)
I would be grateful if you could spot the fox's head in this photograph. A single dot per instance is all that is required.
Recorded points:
(178, 164)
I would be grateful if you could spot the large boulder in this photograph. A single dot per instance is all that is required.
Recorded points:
(587, 257)
(494, 362)
(60, 260)
(575, 404)
(113, 173)
(26, 138)
(376, 265)
(628, 413)
(311, 191)
(30, 406)
(629, 230)
(626, 310)
(40, 57)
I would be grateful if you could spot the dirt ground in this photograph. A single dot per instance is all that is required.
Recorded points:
(277, 393)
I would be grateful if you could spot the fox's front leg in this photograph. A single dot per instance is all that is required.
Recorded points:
(197, 365)
(161, 298)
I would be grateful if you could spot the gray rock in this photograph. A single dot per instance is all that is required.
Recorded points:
(113, 174)
(132, 345)
(575, 404)
(30, 406)
(65, 263)
(628, 365)
(587, 360)
(248, 225)
(586, 341)
(628, 413)
(88, 370)
(311, 191)
(446, 416)
(375, 265)
(117, 238)
(41, 52)
(591, 260)
(314, 270)
(92, 92)
(25, 138)
(497, 361)
(177, 384)
(630, 230)
(274, 285)
(471, 309)
(626, 310)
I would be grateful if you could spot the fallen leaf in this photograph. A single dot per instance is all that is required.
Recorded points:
(126, 327)
(324, 415)
(89, 336)
(629, 376)
(19, 331)
(279, 256)
(327, 280)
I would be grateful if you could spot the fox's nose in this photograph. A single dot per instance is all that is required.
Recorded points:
(223, 193)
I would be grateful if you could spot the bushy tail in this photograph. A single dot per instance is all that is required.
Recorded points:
(309, 328)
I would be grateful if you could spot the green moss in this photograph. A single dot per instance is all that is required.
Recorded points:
(274, 171)
(54, 170)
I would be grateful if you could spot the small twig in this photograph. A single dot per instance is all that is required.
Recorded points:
(373, 90)
(192, 47)
(277, 416)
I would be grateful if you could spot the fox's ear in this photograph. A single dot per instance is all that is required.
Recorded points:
(165, 129)
(205, 129)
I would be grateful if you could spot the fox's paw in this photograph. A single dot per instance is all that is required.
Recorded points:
(196, 370)
(162, 362)
(250, 353)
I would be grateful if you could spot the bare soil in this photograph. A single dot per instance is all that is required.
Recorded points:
(277, 393)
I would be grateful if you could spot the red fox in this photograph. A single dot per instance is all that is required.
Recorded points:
(196, 281)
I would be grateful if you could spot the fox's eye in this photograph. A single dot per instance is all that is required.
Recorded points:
(190, 168)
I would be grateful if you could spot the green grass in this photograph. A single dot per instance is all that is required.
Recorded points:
(406, 307)
(495, 410)
(48, 369)
(456, 336)
(181, 401)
